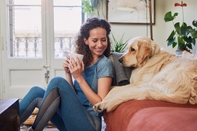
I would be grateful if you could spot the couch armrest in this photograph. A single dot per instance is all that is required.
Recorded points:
(122, 74)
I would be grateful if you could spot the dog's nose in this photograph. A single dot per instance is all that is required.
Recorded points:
(120, 60)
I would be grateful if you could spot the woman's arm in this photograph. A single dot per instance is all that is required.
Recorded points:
(104, 85)
(67, 71)
(69, 78)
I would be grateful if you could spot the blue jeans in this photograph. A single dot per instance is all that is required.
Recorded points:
(70, 115)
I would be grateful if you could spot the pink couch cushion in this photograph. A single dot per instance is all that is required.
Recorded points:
(164, 119)
(119, 119)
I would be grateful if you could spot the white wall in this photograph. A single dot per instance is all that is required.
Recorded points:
(161, 29)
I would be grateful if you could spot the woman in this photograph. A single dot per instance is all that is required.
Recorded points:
(66, 104)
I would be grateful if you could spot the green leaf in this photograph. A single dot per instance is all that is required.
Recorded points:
(172, 34)
(169, 17)
(171, 41)
(119, 45)
(193, 33)
(189, 45)
(180, 40)
(188, 39)
(194, 23)
(181, 43)
(183, 29)
(87, 7)
(177, 28)
(174, 44)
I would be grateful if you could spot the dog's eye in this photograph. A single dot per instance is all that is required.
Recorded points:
(132, 49)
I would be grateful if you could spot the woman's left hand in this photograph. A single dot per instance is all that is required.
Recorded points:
(76, 68)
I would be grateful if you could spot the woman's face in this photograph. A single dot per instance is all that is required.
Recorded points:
(97, 41)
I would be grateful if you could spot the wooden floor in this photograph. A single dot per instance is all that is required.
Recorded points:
(30, 121)
(50, 126)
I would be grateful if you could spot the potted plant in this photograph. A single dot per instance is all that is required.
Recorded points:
(118, 45)
(183, 35)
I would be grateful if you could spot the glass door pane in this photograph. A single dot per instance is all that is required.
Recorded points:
(68, 18)
(25, 29)
(26, 64)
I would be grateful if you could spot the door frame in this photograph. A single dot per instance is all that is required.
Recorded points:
(2, 45)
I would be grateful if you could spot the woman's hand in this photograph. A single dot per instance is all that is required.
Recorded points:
(76, 68)
(66, 64)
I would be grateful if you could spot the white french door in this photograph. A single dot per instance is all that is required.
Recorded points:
(38, 35)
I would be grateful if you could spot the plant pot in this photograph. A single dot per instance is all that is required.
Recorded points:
(180, 52)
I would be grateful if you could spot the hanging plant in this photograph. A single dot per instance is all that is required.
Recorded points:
(89, 6)
(93, 3)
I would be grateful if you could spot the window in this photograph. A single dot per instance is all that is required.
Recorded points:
(66, 14)
(26, 25)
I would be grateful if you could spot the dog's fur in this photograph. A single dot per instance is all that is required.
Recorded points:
(158, 75)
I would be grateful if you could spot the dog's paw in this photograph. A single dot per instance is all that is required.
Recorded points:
(99, 107)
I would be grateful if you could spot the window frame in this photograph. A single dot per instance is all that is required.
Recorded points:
(10, 8)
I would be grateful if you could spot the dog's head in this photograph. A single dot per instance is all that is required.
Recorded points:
(139, 50)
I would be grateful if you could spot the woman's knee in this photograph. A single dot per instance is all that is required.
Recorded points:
(39, 91)
(58, 80)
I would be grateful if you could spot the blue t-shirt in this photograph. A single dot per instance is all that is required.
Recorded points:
(102, 68)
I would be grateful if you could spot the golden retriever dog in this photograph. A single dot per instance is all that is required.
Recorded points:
(158, 75)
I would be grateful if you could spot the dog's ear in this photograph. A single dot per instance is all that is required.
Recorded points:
(155, 48)
(144, 51)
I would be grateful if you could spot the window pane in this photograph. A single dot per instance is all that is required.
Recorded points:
(27, 2)
(67, 2)
(64, 20)
(25, 29)
(67, 21)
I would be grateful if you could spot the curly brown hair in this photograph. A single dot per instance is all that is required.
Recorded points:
(81, 47)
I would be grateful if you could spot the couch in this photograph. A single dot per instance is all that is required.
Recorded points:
(148, 115)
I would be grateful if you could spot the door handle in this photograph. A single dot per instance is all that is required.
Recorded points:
(47, 76)
(46, 66)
